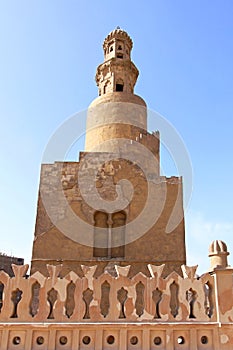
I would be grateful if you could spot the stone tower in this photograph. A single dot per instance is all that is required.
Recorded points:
(126, 213)
(117, 112)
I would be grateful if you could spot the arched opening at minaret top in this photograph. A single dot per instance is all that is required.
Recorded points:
(119, 87)
(120, 55)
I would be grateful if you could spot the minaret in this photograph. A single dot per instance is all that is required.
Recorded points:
(111, 207)
(117, 112)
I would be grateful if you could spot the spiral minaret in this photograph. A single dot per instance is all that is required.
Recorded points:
(111, 206)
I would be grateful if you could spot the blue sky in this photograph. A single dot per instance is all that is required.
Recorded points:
(184, 51)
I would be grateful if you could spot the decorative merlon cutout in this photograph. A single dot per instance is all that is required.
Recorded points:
(156, 270)
(19, 270)
(70, 299)
(157, 297)
(105, 299)
(122, 295)
(54, 270)
(189, 271)
(51, 298)
(122, 270)
(16, 297)
(87, 298)
(88, 271)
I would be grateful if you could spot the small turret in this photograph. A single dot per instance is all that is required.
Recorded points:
(218, 255)
(118, 73)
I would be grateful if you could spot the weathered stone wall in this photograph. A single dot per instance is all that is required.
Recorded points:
(59, 188)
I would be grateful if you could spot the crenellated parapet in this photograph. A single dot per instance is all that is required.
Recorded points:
(111, 299)
(143, 312)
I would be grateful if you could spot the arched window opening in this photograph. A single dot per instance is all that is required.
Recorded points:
(110, 46)
(100, 235)
(120, 55)
(119, 87)
(118, 235)
(109, 235)
(119, 47)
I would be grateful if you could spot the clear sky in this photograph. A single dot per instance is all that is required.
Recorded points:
(184, 51)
